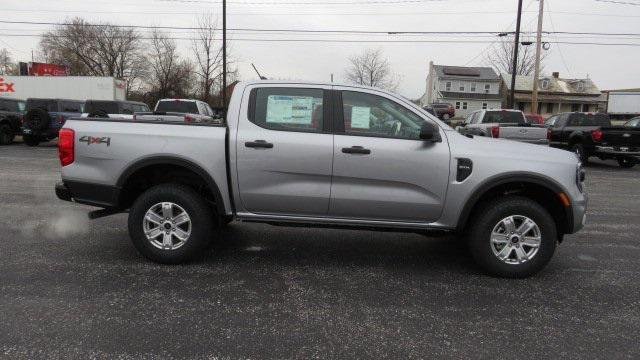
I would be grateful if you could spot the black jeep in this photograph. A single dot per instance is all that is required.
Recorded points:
(11, 111)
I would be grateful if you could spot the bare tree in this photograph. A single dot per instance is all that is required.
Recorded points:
(7, 66)
(95, 50)
(501, 58)
(371, 68)
(169, 75)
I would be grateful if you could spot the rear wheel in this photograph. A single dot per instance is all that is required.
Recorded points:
(170, 224)
(6, 134)
(627, 161)
(512, 237)
(31, 140)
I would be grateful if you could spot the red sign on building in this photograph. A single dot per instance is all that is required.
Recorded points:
(44, 69)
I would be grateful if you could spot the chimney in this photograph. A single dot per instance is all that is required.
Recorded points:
(555, 74)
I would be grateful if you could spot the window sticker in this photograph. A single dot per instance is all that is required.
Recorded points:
(360, 117)
(289, 109)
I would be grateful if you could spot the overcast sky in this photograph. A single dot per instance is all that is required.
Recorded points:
(609, 66)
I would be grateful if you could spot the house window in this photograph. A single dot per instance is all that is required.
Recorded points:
(487, 88)
(447, 86)
(464, 105)
(544, 84)
(461, 88)
(549, 108)
(485, 106)
(575, 107)
(585, 107)
(473, 87)
(457, 105)
(580, 86)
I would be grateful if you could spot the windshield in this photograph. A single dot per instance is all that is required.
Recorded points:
(177, 106)
(46, 105)
(503, 117)
(109, 107)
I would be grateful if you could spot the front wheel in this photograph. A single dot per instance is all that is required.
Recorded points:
(513, 237)
(6, 134)
(31, 140)
(170, 224)
(627, 162)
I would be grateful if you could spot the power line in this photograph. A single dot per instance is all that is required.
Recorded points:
(363, 2)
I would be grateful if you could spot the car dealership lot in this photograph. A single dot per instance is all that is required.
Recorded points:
(74, 288)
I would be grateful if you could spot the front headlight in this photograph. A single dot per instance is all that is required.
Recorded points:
(580, 176)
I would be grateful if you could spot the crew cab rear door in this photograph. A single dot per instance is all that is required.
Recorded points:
(382, 171)
(284, 150)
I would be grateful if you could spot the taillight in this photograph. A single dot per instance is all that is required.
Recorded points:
(188, 118)
(65, 146)
(495, 131)
(596, 135)
(549, 134)
(134, 117)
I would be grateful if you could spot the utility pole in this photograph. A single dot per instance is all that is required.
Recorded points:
(331, 77)
(224, 55)
(536, 74)
(512, 102)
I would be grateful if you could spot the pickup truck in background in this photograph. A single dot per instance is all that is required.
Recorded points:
(186, 110)
(11, 112)
(113, 108)
(45, 117)
(591, 134)
(504, 124)
(323, 155)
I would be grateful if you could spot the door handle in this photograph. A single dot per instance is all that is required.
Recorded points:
(356, 150)
(258, 144)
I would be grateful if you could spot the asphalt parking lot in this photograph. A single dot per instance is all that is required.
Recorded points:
(70, 288)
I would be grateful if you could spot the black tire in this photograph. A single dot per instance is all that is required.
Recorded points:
(6, 134)
(491, 213)
(30, 140)
(37, 119)
(200, 213)
(627, 162)
(579, 150)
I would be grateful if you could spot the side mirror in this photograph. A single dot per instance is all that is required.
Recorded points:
(430, 132)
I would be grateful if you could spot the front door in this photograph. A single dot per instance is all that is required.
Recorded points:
(285, 151)
(382, 170)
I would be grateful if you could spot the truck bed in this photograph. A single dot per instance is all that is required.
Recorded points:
(105, 149)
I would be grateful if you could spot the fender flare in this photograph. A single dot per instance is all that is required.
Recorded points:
(495, 181)
(172, 160)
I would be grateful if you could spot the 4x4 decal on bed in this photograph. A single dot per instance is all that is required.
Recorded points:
(95, 140)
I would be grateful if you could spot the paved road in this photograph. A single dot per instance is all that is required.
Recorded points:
(73, 288)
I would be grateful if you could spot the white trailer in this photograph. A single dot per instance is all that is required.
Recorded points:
(62, 87)
(623, 103)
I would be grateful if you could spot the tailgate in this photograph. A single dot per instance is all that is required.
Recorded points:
(516, 132)
(621, 137)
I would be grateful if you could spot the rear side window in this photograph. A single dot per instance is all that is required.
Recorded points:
(287, 109)
(503, 117)
(46, 105)
(580, 119)
(6, 105)
(178, 106)
(72, 106)
(109, 107)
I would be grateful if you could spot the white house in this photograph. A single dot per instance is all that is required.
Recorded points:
(466, 88)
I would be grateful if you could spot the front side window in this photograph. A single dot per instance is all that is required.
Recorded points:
(73, 107)
(372, 115)
(288, 109)
(551, 121)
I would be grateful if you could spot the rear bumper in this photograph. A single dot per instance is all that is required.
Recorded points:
(50, 133)
(610, 150)
(99, 195)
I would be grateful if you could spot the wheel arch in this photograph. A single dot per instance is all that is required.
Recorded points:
(157, 162)
(543, 190)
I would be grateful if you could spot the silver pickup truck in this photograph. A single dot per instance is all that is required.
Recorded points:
(504, 124)
(316, 154)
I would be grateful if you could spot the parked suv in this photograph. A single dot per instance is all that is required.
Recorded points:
(324, 155)
(591, 134)
(119, 109)
(44, 117)
(11, 112)
(444, 111)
